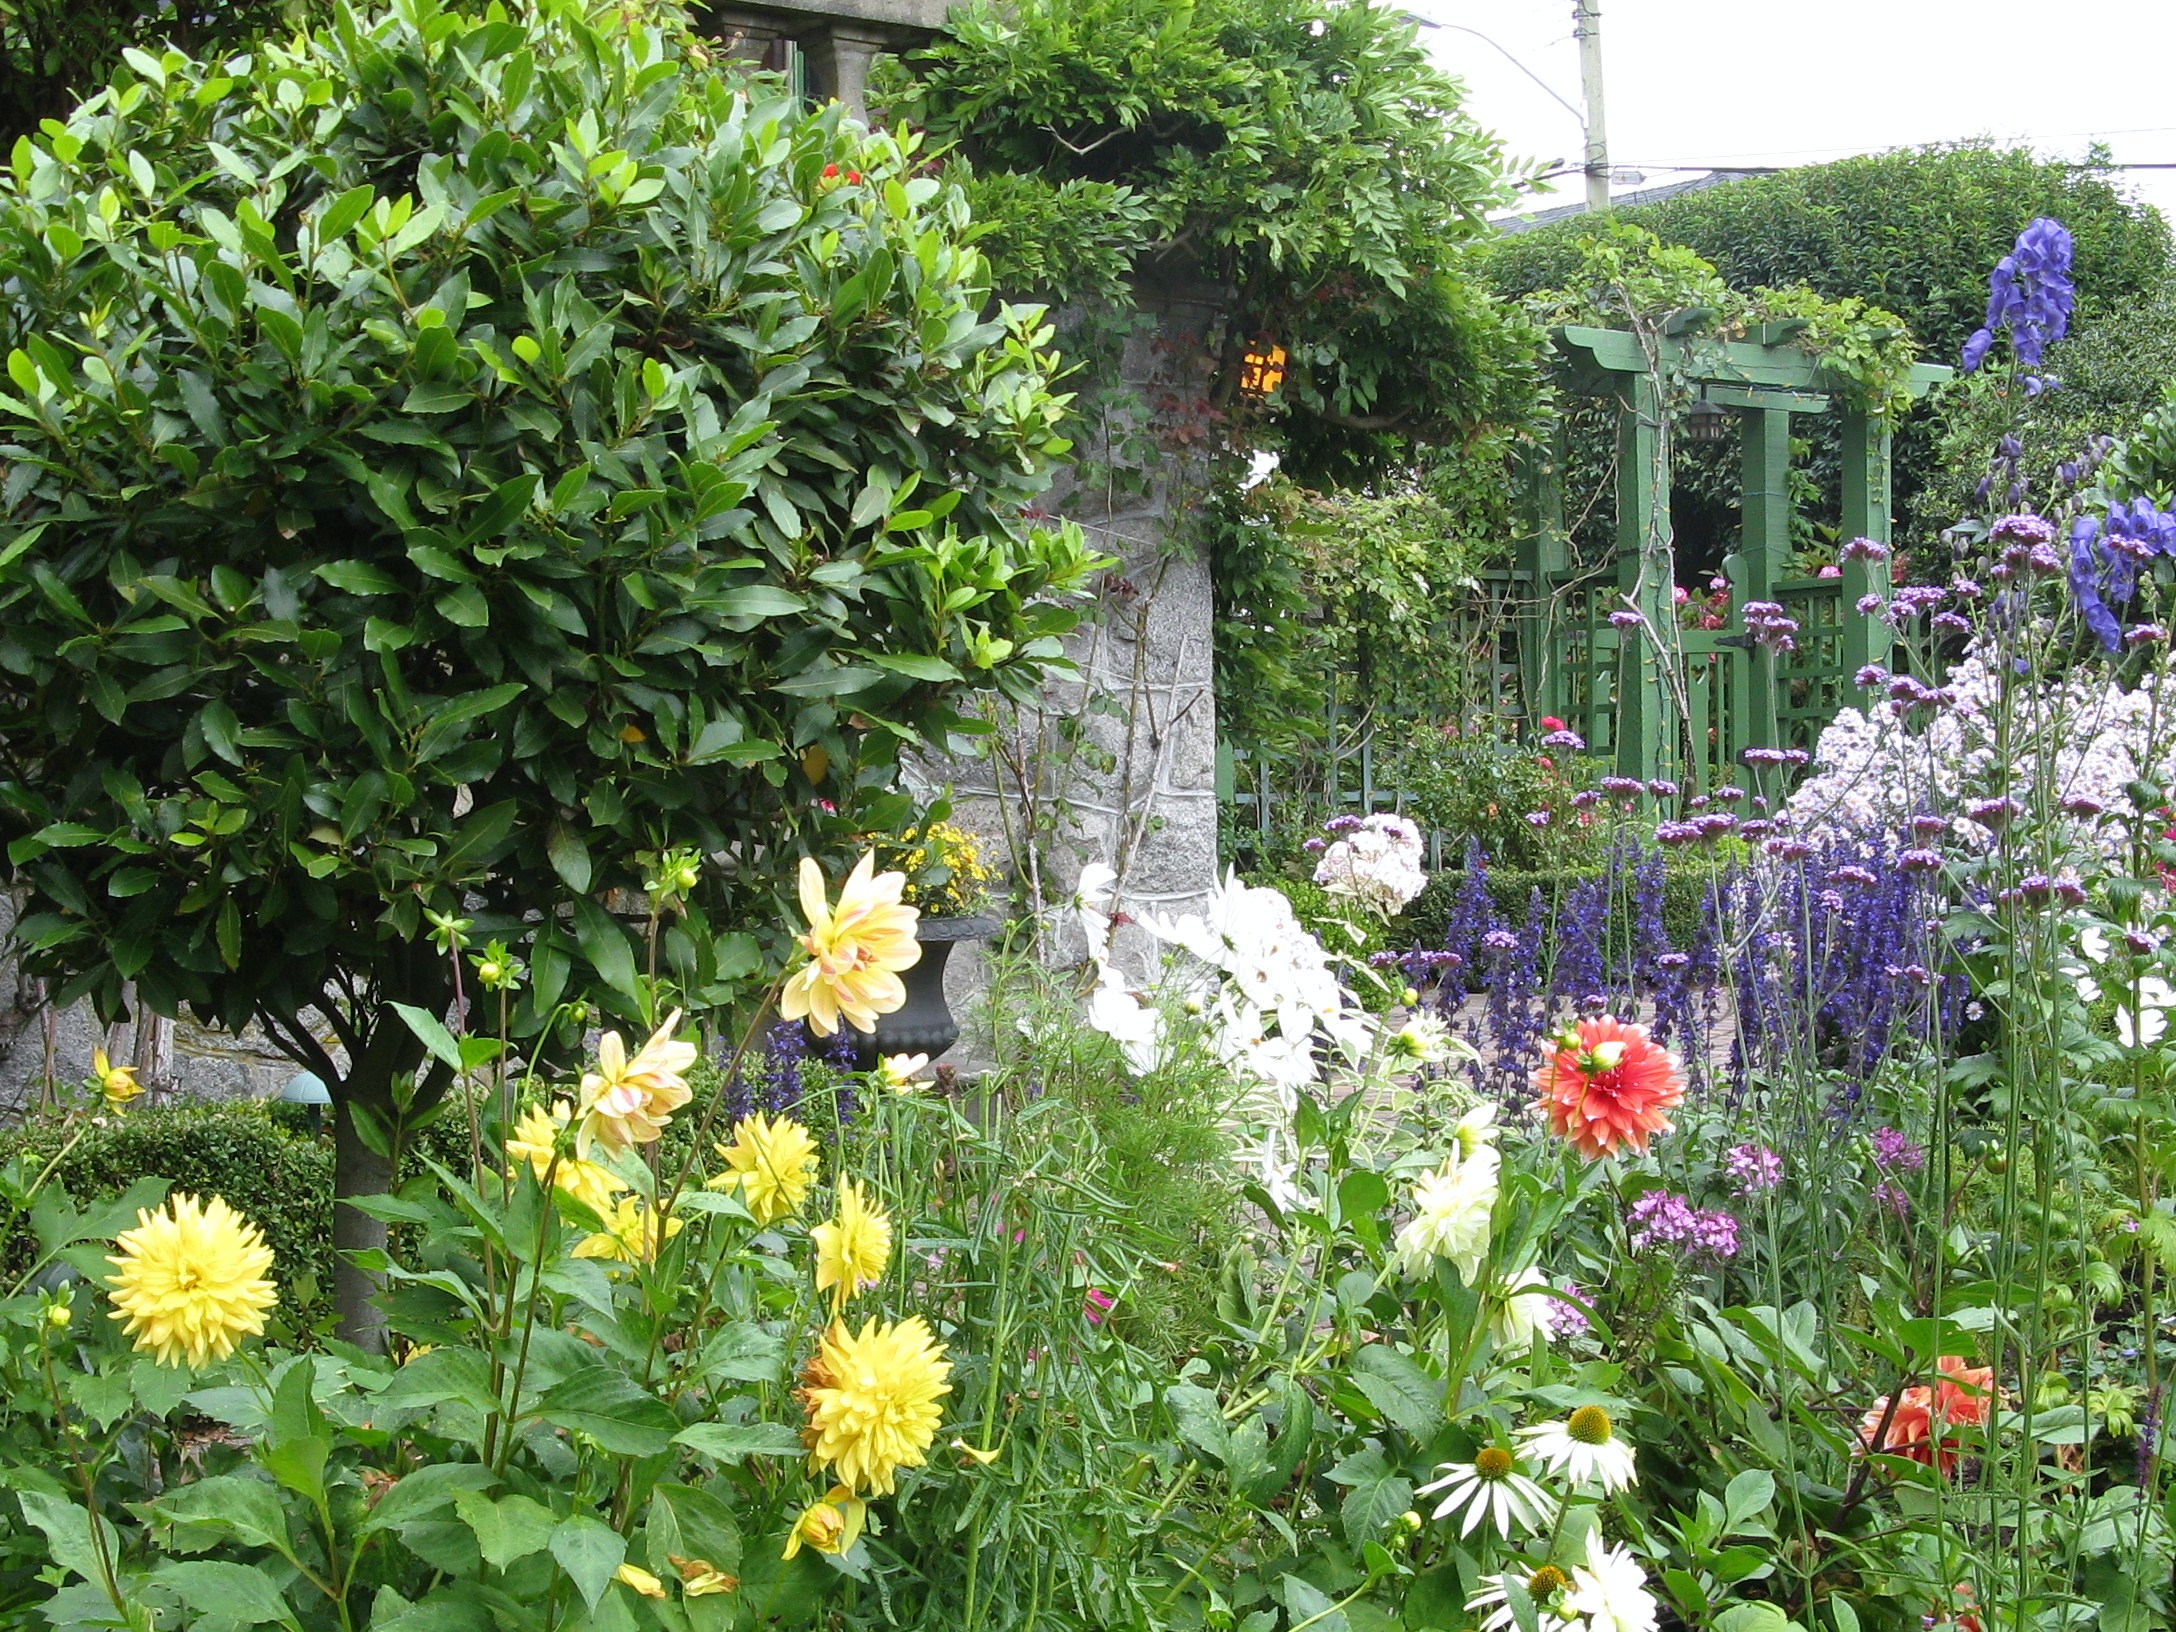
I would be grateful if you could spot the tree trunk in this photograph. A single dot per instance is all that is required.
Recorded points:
(358, 1170)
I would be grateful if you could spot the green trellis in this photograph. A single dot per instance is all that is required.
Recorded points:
(1665, 701)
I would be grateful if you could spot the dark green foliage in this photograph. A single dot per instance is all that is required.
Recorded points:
(1915, 232)
(1302, 156)
(54, 51)
(269, 1169)
(2115, 372)
(449, 458)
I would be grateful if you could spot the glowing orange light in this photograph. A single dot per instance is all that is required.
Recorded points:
(1262, 371)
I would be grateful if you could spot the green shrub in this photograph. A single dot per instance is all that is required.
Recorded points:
(260, 1157)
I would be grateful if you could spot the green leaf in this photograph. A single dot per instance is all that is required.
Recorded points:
(67, 1530)
(917, 668)
(759, 601)
(431, 1032)
(359, 578)
(1398, 1388)
(232, 1505)
(1377, 1496)
(569, 857)
(590, 1553)
(732, 1442)
(506, 1529)
(606, 946)
(1310, 1606)
(296, 1445)
(233, 1593)
(612, 1409)
(1199, 1419)
(344, 211)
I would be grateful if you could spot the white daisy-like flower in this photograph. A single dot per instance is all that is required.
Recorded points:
(1522, 1310)
(1610, 1590)
(1544, 1586)
(1584, 1448)
(1491, 1489)
(1422, 1040)
(1451, 1212)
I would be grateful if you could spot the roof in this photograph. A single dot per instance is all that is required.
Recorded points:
(1646, 195)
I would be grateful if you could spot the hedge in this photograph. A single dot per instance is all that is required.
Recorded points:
(260, 1157)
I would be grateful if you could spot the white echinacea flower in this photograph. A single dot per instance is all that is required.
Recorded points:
(1544, 1584)
(1584, 1448)
(1452, 1209)
(1491, 1489)
(1610, 1590)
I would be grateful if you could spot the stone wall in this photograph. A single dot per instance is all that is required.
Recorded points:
(1118, 764)
(176, 1057)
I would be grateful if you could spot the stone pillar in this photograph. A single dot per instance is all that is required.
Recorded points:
(1118, 764)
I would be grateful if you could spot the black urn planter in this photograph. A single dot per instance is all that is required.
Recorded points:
(924, 1023)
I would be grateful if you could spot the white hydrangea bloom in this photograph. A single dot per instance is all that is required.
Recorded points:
(1378, 863)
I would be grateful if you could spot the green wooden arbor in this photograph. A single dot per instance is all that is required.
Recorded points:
(1686, 703)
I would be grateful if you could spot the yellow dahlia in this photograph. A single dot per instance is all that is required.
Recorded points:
(855, 952)
(772, 1162)
(536, 1136)
(832, 1525)
(871, 1399)
(189, 1280)
(628, 1101)
(117, 1082)
(637, 1579)
(630, 1233)
(853, 1247)
(897, 1072)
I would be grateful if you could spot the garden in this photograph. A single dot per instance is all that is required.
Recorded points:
(521, 540)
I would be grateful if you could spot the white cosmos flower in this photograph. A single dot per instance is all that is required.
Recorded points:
(1610, 1590)
(2093, 942)
(1521, 1312)
(1490, 1489)
(1451, 1212)
(1584, 1448)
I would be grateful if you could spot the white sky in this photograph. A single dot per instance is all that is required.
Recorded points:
(1781, 82)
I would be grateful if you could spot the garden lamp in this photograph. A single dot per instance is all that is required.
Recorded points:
(308, 1088)
(1706, 421)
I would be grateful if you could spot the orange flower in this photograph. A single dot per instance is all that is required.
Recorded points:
(1959, 1399)
(1608, 1085)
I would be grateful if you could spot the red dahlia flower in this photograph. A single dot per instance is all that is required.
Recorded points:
(1607, 1084)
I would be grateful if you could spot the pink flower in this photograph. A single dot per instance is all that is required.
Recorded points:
(1830, 571)
(1100, 1303)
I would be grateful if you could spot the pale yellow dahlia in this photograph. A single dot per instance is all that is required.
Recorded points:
(853, 1246)
(628, 1101)
(771, 1162)
(117, 1082)
(637, 1579)
(190, 1279)
(536, 1136)
(630, 1233)
(855, 952)
(699, 1578)
(871, 1399)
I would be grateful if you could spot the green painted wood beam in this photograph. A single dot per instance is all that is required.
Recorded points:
(1865, 514)
(1592, 355)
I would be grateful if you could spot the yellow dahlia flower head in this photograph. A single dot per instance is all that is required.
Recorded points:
(117, 1082)
(536, 1136)
(189, 1281)
(699, 1578)
(771, 1162)
(637, 1579)
(628, 1101)
(855, 951)
(853, 1247)
(871, 1398)
(630, 1233)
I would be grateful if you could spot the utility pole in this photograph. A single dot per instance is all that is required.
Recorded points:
(1587, 25)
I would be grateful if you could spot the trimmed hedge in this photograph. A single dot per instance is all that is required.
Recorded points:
(260, 1157)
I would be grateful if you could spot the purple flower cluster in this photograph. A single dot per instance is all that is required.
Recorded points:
(1625, 620)
(1864, 549)
(1895, 1152)
(2030, 294)
(1622, 787)
(1662, 1220)
(1755, 1169)
(1771, 626)
(1569, 740)
(2105, 555)
(1994, 814)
